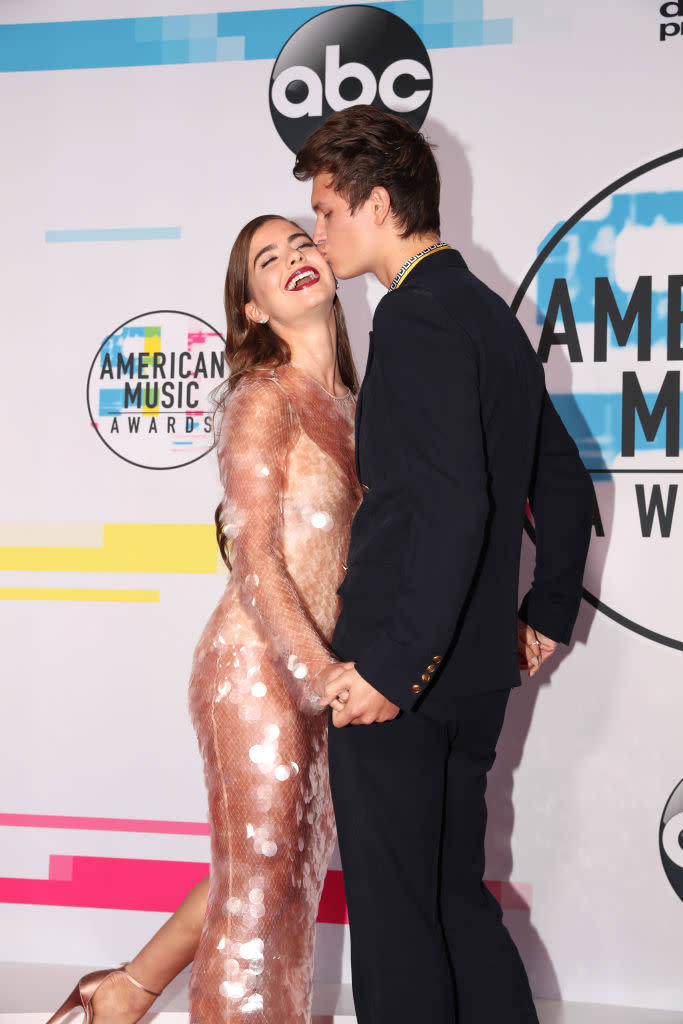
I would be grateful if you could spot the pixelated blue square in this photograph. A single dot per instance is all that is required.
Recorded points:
(202, 50)
(148, 30)
(498, 31)
(230, 48)
(437, 36)
(203, 26)
(175, 27)
(468, 10)
(175, 51)
(437, 11)
(111, 401)
(468, 33)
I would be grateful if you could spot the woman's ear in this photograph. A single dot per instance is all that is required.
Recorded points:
(254, 314)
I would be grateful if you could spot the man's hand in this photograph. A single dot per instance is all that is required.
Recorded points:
(361, 703)
(533, 647)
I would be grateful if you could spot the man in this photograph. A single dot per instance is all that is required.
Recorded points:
(454, 432)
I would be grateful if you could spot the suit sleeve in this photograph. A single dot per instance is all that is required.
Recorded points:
(429, 375)
(561, 498)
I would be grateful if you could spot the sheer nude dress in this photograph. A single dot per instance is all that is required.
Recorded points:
(286, 461)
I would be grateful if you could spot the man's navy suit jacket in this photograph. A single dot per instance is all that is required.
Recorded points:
(454, 432)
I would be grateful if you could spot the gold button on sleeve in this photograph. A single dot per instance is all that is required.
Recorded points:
(431, 668)
(416, 688)
(425, 677)
(437, 658)
(365, 487)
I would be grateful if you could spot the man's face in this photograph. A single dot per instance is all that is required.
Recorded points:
(344, 238)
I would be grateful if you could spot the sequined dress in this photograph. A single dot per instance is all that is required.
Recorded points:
(286, 461)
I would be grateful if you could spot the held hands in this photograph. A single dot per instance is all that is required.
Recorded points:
(533, 648)
(353, 700)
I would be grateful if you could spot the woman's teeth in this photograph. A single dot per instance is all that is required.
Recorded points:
(305, 275)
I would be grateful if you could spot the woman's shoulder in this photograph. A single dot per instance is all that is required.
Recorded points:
(258, 394)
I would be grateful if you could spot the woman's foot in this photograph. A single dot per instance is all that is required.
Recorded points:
(119, 1001)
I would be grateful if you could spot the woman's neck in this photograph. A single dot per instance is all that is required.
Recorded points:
(314, 350)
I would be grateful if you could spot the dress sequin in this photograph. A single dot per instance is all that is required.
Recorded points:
(286, 460)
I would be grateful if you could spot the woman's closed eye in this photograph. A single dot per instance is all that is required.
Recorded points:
(304, 245)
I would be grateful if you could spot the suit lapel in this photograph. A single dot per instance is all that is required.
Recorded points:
(359, 407)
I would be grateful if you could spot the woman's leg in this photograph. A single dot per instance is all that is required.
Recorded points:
(166, 954)
(272, 832)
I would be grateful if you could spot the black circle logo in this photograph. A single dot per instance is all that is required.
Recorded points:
(149, 388)
(671, 840)
(345, 56)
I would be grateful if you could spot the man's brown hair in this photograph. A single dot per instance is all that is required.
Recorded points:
(362, 147)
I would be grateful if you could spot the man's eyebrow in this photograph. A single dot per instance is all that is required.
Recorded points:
(269, 248)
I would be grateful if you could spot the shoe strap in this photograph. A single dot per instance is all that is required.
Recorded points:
(134, 981)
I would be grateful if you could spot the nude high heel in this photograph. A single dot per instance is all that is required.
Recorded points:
(85, 990)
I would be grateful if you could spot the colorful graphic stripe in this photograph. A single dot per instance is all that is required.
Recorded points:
(113, 883)
(589, 251)
(226, 36)
(113, 234)
(157, 885)
(78, 594)
(126, 547)
(169, 828)
(595, 422)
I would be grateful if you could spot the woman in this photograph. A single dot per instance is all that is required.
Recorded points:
(285, 453)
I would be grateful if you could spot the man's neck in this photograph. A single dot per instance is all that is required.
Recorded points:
(399, 251)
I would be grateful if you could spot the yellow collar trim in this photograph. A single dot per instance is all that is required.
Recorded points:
(413, 262)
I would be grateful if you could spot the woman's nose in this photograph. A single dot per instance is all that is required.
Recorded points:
(295, 256)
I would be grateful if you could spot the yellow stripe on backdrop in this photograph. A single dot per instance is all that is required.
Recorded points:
(125, 547)
(89, 594)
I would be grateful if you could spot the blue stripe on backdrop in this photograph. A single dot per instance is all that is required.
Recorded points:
(112, 234)
(235, 35)
(594, 421)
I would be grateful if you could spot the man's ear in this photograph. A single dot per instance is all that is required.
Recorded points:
(254, 314)
(381, 204)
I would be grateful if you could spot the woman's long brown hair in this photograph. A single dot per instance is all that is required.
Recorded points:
(249, 345)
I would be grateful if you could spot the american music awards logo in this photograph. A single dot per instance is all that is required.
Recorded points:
(607, 286)
(149, 388)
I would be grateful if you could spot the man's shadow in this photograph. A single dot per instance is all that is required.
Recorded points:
(457, 228)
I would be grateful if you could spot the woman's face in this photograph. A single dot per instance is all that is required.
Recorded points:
(289, 281)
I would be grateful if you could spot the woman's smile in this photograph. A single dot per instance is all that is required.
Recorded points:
(304, 277)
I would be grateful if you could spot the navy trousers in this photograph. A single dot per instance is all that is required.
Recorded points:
(427, 939)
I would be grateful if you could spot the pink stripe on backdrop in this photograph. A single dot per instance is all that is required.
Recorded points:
(108, 883)
(61, 868)
(170, 828)
(125, 884)
(158, 885)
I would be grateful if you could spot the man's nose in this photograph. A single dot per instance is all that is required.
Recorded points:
(318, 232)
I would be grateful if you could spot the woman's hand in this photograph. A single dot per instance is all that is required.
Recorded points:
(329, 676)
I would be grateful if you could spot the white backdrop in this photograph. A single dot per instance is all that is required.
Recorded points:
(101, 607)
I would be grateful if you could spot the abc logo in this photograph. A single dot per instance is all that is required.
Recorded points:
(345, 56)
(671, 839)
